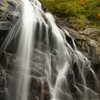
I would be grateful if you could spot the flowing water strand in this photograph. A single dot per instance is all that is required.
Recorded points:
(12, 34)
(63, 61)
(24, 49)
(40, 37)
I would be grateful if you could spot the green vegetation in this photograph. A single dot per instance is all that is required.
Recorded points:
(75, 10)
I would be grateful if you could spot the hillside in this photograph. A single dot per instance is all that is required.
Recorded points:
(80, 12)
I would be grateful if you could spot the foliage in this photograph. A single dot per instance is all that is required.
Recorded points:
(64, 9)
(80, 9)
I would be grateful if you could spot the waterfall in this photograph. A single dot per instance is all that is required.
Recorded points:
(50, 67)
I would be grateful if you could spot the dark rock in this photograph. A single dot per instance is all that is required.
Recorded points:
(3, 94)
(13, 17)
(1, 2)
(44, 8)
(2, 15)
(9, 14)
(2, 83)
(53, 64)
(12, 5)
(87, 41)
(3, 60)
(5, 25)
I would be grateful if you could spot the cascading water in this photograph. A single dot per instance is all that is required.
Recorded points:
(46, 58)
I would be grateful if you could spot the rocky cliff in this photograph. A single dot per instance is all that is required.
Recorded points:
(87, 41)
(9, 14)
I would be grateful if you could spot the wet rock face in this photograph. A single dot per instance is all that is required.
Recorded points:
(87, 41)
(3, 81)
(9, 14)
(9, 11)
(9, 75)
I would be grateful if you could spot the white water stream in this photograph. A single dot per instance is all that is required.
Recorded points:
(34, 23)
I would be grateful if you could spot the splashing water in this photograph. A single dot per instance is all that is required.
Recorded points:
(47, 58)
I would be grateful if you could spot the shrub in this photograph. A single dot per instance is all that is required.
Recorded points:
(79, 9)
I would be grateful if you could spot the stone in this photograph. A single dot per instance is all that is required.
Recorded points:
(2, 83)
(87, 41)
(3, 95)
(3, 60)
(1, 2)
(44, 8)
(2, 15)
(91, 32)
(5, 25)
